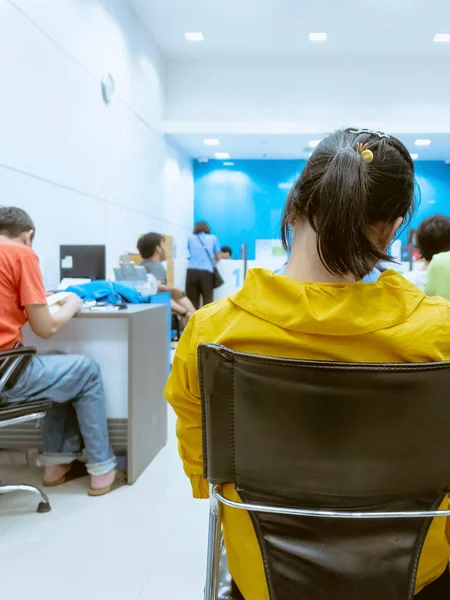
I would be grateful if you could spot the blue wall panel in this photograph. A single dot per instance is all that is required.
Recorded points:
(244, 203)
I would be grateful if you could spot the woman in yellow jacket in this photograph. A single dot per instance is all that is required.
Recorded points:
(355, 192)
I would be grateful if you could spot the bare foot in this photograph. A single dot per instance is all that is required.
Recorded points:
(55, 472)
(102, 481)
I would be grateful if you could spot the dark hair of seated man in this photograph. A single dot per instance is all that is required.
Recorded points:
(226, 252)
(148, 244)
(14, 222)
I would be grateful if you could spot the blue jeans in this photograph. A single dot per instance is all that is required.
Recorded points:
(78, 414)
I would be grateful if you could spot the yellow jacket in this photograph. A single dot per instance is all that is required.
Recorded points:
(387, 321)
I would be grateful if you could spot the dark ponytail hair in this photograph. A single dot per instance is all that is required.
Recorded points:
(342, 196)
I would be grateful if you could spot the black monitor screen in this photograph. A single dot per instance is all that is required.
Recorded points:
(82, 262)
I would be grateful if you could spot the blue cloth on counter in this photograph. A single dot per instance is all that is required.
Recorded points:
(108, 291)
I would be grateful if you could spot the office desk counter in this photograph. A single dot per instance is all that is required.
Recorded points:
(131, 348)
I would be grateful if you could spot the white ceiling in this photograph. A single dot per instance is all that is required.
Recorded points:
(247, 146)
(281, 27)
(378, 65)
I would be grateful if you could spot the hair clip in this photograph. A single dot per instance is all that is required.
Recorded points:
(363, 150)
(380, 134)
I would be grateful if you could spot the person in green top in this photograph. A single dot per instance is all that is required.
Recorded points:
(433, 238)
(438, 276)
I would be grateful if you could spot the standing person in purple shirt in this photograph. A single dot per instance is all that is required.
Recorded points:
(204, 252)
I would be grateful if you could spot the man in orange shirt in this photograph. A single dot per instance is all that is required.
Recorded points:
(73, 383)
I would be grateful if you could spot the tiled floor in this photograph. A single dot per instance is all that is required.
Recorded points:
(145, 542)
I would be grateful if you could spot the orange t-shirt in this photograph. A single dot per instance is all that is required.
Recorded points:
(20, 284)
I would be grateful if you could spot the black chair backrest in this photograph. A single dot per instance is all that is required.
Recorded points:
(357, 437)
(13, 363)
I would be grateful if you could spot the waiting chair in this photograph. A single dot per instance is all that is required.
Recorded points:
(341, 467)
(11, 365)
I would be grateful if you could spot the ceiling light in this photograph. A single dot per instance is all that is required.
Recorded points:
(211, 142)
(313, 143)
(202, 159)
(441, 38)
(318, 37)
(422, 142)
(414, 156)
(194, 36)
(222, 155)
(228, 164)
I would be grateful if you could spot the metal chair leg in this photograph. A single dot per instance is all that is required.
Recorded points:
(213, 555)
(44, 504)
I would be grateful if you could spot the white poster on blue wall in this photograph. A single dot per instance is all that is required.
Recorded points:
(269, 250)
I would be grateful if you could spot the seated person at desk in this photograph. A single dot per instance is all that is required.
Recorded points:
(355, 192)
(151, 248)
(432, 239)
(73, 383)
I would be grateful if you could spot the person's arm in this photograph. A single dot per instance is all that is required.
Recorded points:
(183, 394)
(176, 293)
(44, 323)
(217, 252)
(31, 295)
(33, 298)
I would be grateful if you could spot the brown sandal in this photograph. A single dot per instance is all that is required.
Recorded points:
(118, 481)
(76, 471)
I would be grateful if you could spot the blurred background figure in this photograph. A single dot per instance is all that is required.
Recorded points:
(204, 253)
(226, 253)
(432, 238)
(151, 247)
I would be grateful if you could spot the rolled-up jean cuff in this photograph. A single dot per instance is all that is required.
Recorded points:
(102, 468)
(48, 459)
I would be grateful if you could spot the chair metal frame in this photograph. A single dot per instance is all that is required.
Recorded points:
(16, 356)
(217, 500)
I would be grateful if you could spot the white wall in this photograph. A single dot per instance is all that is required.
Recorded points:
(87, 173)
(318, 94)
(178, 192)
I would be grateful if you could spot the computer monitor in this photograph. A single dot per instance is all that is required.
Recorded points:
(131, 273)
(82, 262)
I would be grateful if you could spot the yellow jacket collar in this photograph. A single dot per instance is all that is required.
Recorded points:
(328, 308)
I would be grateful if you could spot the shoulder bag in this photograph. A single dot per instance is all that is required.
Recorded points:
(217, 277)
